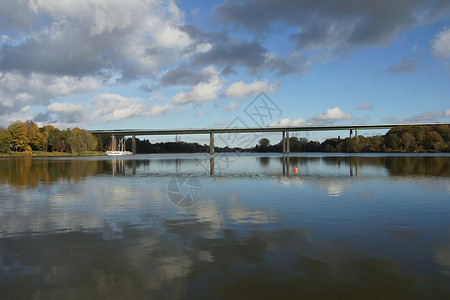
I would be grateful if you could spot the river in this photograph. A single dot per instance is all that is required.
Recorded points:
(228, 226)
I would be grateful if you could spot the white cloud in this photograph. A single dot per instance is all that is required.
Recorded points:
(113, 107)
(441, 44)
(68, 112)
(288, 122)
(65, 37)
(365, 106)
(330, 116)
(203, 91)
(241, 89)
(56, 49)
(18, 90)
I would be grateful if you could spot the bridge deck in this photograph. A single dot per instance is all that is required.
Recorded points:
(123, 132)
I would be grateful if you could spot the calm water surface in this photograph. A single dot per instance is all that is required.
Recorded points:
(237, 226)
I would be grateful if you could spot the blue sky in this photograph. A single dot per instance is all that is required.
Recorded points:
(199, 64)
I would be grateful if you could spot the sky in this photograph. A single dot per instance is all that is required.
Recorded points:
(151, 64)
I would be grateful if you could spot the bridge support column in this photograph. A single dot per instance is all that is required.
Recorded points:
(283, 142)
(356, 133)
(288, 148)
(211, 165)
(133, 144)
(351, 133)
(211, 143)
(113, 143)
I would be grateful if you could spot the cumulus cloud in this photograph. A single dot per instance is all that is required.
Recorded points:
(18, 90)
(68, 112)
(332, 25)
(183, 75)
(288, 122)
(240, 89)
(330, 116)
(364, 106)
(441, 44)
(231, 53)
(202, 92)
(113, 107)
(65, 37)
(53, 49)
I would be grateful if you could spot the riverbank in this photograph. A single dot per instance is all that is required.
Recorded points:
(50, 154)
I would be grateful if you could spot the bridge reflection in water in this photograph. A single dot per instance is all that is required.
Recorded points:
(31, 172)
(230, 164)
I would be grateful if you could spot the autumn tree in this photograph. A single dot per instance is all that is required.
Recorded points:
(35, 138)
(18, 137)
(433, 141)
(4, 140)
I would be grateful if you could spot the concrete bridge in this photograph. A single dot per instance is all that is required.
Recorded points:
(353, 129)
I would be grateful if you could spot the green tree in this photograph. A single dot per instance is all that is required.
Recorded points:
(264, 143)
(392, 141)
(81, 140)
(18, 137)
(54, 136)
(408, 141)
(433, 141)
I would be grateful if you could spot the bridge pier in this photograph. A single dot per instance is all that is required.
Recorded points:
(288, 148)
(356, 133)
(351, 133)
(133, 144)
(285, 142)
(211, 143)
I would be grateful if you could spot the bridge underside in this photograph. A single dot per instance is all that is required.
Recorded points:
(284, 130)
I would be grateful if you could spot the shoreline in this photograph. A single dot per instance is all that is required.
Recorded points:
(50, 154)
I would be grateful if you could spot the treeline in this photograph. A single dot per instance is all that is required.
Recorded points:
(26, 137)
(144, 146)
(399, 139)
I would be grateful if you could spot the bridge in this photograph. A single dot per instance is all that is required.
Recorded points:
(121, 133)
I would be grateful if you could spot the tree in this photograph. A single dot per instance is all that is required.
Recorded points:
(4, 140)
(54, 136)
(264, 143)
(60, 146)
(392, 141)
(18, 137)
(408, 141)
(81, 140)
(35, 138)
(433, 141)
(45, 131)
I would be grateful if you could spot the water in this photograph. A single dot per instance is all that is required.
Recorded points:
(238, 226)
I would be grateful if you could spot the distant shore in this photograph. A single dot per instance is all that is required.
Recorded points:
(51, 154)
